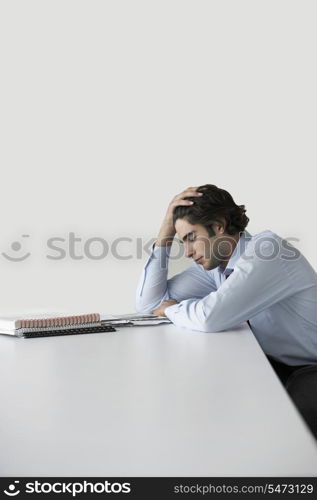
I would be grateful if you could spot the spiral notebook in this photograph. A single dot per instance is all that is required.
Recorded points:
(46, 325)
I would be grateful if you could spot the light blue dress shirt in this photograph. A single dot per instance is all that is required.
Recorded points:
(271, 284)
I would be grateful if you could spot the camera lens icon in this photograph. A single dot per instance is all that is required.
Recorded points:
(12, 489)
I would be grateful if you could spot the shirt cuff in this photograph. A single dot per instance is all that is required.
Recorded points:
(171, 311)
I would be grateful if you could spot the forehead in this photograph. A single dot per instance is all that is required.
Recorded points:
(182, 227)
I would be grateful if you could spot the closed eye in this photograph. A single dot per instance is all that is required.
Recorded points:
(191, 236)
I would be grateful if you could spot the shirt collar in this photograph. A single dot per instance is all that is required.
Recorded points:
(243, 241)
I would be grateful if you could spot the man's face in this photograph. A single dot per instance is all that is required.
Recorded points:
(207, 251)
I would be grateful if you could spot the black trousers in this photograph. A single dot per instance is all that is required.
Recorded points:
(284, 371)
(300, 382)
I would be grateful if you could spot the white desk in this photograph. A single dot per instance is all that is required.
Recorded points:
(144, 401)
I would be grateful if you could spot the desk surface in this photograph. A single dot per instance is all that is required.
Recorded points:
(147, 401)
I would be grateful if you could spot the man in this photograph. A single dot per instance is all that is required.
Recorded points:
(270, 283)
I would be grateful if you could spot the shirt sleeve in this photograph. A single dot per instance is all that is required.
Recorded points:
(154, 287)
(256, 284)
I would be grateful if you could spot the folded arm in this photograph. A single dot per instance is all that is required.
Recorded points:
(255, 285)
(154, 287)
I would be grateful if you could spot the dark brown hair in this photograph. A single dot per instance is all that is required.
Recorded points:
(215, 205)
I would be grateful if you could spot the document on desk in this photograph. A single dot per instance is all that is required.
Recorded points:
(133, 319)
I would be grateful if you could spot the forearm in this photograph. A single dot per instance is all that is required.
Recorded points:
(153, 284)
(255, 285)
(152, 287)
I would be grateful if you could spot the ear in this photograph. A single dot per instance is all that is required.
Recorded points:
(217, 228)
(220, 227)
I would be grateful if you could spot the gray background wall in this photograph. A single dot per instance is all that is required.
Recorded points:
(108, 109)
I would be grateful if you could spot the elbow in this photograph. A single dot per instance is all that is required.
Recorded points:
(143, 307)
(214, 319)
(140, 309)
(212, 325)
(206, 327)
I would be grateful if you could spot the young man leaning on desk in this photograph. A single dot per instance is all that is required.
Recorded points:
(236, 277)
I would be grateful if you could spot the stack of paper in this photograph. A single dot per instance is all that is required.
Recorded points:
(133, 319)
